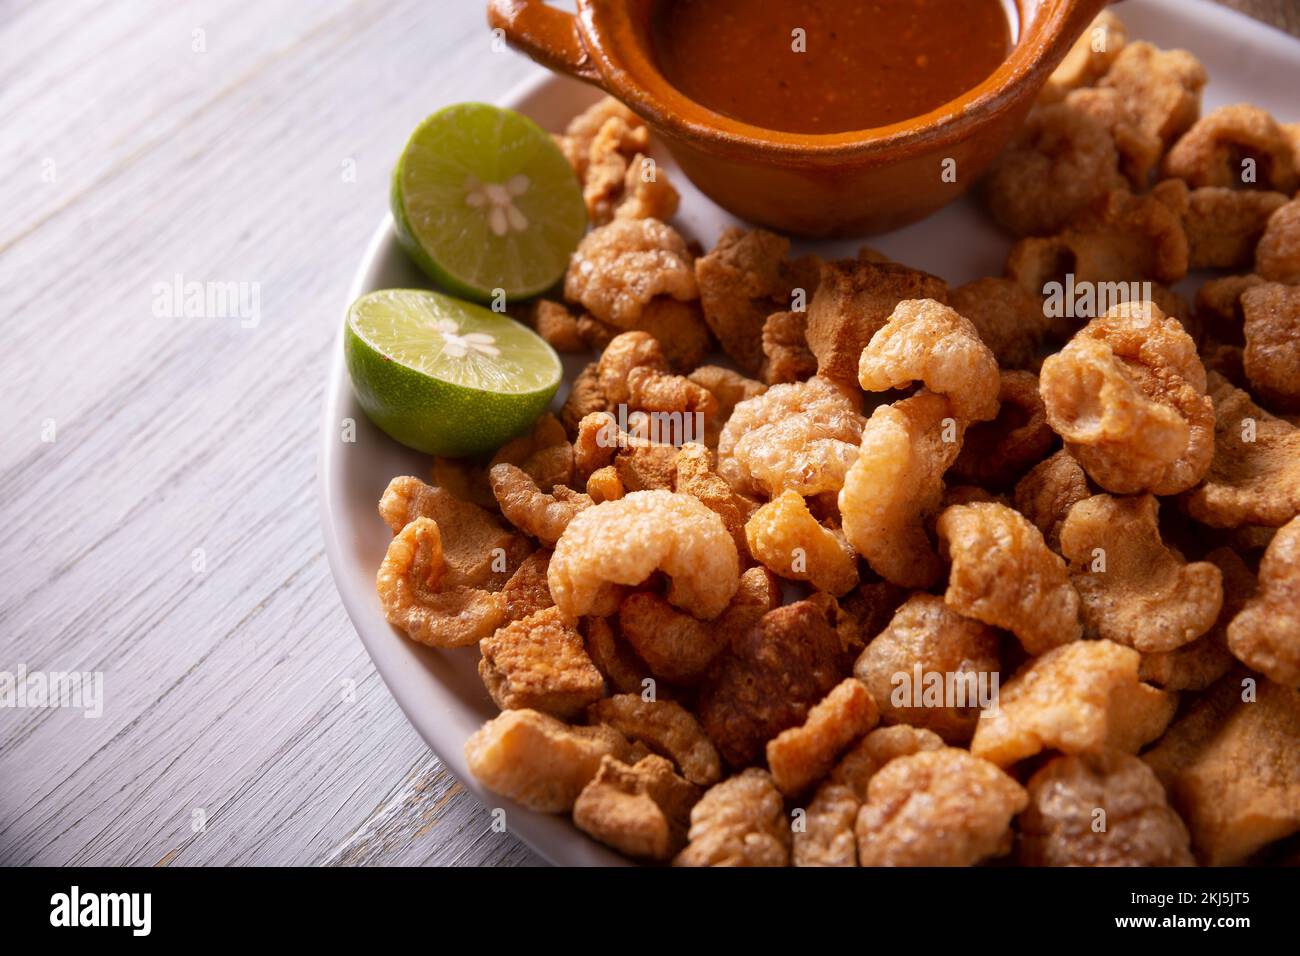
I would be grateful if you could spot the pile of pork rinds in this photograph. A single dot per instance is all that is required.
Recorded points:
(697, 648)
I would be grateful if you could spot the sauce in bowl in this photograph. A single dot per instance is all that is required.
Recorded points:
(858, 64)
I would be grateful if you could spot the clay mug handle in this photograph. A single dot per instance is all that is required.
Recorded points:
(548, 35)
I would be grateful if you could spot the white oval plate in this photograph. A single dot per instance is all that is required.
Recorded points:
(440, 691)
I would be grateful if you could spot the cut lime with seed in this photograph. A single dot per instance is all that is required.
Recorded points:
(445, 376)
(483, 200)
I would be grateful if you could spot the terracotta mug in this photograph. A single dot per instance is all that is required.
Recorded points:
(834, 184)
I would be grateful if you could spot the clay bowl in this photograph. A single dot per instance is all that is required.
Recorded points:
(834, 184)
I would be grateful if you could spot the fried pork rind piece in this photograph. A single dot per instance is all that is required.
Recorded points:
(799, 437)
(1120, 238)
(679, 327)
(583, 129)
(1088, 59)
(650, 390)
(895, 483)
(1232, 768)
(784, 536)
(738, 822)
(925, 341)
(416, 594)
(1047, 493)
(1004, 574)
(1272, 356)
(728, 386)
(619, 268)
(1127, 394)
(647, 192)
(937, 808)
(527, 592)
(678, 646)
(926, 634)
(480, 539)
(786, 356)
(995, 453)
(1250, 482)
(1213, 151)
(1079, 698)
(1277, 257)
(538, 761)
(666, 728)
(556, 324)
(853, 301)
(1218, 303)
(1199, 663)
(465, 479)
(641, 810)
(1009, 320)
(744, 279)
(539, 663)
(696, 477)
(544, 454)
(1134, 590)
(1266, 634)
(624, 672)
(828, 838)
(1059, 827)
(769, 677)
(1062, 160)
(625, 541)
(606, 145)
(803, 755)
(1159, 98)
(585, 398)
(1222, 225)
(604, 484)
(866, 611)
(624, 354)
(532, 511)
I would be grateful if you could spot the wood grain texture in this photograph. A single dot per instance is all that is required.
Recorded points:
(167, 535)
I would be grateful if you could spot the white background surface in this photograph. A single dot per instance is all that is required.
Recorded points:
(243, 721)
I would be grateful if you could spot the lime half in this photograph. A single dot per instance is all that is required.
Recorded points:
(483, 199)
(445, 376)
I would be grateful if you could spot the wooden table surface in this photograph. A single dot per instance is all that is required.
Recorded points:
(158, 473)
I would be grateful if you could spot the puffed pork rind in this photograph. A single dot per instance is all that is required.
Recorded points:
(625, 541)
(799, 437)
(695, 476)
(527, 591)
(1266, 634)
(937, 808)
(1004, 574)
(1047, 493)
(641, 810)
(1134, 590)
(626, 352)
(624, 672)
(866, 611)
(1062, 160)
(473, 555)
(1103, 809)
(1277, 257)
(874, 751)
(678, 646)
(1223, 226)
(854, 299)
(1254, 477)
(896, 482)
(1088, 59)
(927, 637)
(415, 593)
(585, 398)
(997, 452)
(540, 663)
(785, 537)
(1079, 698)
(742, 280)
(1159, 94)
(926, 341)
(539, 761)
(543, 453)
(1232, 768)
(619, 268)
(738, 822)
(786, 356)
(1199, 663)
(1213, 151)
(1271, 359)
(769, 678)
(536, 513)
(801, 756)
(1128, 395)
(1009, 320)
(667, 728)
